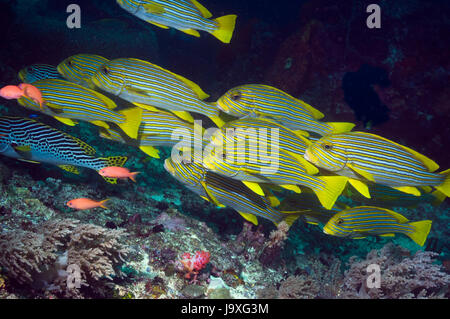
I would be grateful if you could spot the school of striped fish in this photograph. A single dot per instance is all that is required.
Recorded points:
(274, 146)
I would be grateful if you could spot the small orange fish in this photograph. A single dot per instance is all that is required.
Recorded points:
(118, 172)
(10, 92)
(33, 93)
(86, 203)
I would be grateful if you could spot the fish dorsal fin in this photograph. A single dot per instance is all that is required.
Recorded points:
(86, 147)
(70, 168)
(66, 121)
(153, 8)
(409, 190)
(361, 187)
(361, 172)
(193, 86)
(205, 13)
(254, 187)
(429, 163)
(249, 217)
(315, 112)
(193, 32)
(294, 188)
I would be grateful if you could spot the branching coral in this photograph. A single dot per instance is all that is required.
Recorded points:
(40, 257)
(402, 276)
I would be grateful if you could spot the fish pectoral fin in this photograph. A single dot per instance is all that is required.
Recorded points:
(153, 8)
(101, 124)
(147, 107)
(254, 187)
(210, 195)
(54, 108)
(361, 172)
(361, 187)
(22, 148)
(70, 168)
(205, 13)
(387, 235)
(409, 190)
(136, 91)
(185, 116)
(28, 161)
(193, 32)
(249, 217)
(150, 151)
(66, 121)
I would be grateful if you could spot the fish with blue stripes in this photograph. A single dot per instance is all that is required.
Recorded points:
(360, 222)
(68, 102)
(258, 100)
(148, 86)
(160, 128)
(224, 191)
(36, 72)
(188, 16)
(367, 157)
(31, 141)
(80, 68)
(254, 162)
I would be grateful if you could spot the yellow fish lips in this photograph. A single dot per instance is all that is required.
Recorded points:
(22, 74)
(222, 106)
(168, 166)
(327, 230)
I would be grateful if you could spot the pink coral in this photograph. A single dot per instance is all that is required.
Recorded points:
(193, 264)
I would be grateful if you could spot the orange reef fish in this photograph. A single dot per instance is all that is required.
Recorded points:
(117, 172)
(22, 90)
(86, 203)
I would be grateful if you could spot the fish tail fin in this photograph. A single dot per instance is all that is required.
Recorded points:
(102, 203)
(291, 217)
(420, 234)
(328, 194)
(133, 118)
(133, 176)
(438, 197)
(445, 186)
(340, 127)
(224, 32)
(113, 161)
(214, 116)
(150, 151)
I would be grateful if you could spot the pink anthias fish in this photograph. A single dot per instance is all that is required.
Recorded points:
(118, 172)
(86, 203)
(23, 89)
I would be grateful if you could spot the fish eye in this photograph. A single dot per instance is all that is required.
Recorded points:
(327, 146)
(105, 70)
(236, 96)
(69, 62)
(340, 221)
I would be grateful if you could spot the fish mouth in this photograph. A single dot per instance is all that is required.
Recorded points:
(221, 106)
(22, 75)
(168, 167)
(327, 231)
(310, 157)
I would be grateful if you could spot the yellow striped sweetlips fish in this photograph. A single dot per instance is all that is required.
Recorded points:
(68, 102)
(31, 141)
(161, 129)
(80, 68)
(148, 86)
(246, 162)
(187, 16)
(368, 157)
(37, 72)
(224, 191)
(259, 129)
(258, 100)
(360, 222)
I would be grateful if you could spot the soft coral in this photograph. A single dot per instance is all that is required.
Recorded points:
(193, 264)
